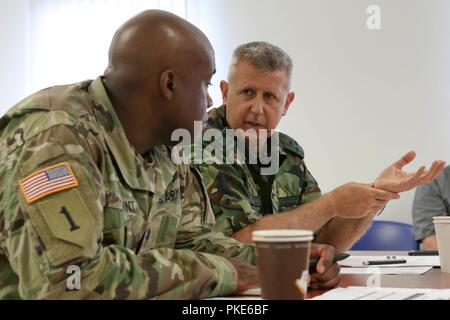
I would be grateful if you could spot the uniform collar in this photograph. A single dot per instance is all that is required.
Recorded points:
(132, 166)
(217, 119)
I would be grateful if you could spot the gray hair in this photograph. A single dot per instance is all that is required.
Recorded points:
(264, 56)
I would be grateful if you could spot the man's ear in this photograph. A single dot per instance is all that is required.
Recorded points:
(167, 84)
(289, 100)
(224, 89)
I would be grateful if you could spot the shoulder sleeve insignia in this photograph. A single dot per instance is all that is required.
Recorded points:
(47, 181)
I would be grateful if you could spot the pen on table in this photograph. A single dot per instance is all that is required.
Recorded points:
(380, 262)
(423, 253)
(337, 257)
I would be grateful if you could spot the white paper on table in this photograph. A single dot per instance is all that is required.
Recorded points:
(238, 297)
(373, 293)
(411, 261)
(252, 292)
(386, 270)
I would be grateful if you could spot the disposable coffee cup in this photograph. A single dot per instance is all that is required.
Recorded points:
(444, 218)
(283, 263)
(442, 228)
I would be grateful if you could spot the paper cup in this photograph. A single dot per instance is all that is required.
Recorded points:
(442, 228)
(283, 263)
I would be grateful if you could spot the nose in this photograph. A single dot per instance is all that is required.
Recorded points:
(257, 105)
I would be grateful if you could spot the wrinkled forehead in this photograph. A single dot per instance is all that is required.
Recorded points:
(245, 73)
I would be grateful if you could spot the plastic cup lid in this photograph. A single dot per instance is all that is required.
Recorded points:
(282, 235)
(441, 219)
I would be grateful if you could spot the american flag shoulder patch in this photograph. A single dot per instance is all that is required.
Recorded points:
(47, 181)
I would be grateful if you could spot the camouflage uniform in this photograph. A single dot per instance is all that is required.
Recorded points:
(126, 220)
(240, 195)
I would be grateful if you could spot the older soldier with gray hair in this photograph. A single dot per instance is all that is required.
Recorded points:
(255, 97)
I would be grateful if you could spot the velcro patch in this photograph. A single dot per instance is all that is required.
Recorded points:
(47, 181)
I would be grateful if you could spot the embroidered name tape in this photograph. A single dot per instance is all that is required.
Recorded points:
(48, 181)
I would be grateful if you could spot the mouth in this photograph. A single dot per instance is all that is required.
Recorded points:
(254, 125)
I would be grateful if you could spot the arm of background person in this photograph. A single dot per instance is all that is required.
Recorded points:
(428, 202)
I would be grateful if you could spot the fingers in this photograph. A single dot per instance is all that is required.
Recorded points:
(376, 206)
(327, 275)
(326, 285)
(423, 176)
(376, 209)
(247, 275)
(413, 179)
(379, 205)
(407, 158)
(439, 167)
(383, 195)
(329, 279)
(416, 178)
(325, 254)
(434, 171)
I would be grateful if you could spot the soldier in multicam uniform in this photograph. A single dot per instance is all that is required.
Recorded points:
(79, 187)
(256, 97)
(86, 181)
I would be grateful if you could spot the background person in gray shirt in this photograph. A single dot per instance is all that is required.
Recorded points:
(431, 199)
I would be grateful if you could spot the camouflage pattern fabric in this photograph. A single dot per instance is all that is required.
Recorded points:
(240, 195)
(138, 227)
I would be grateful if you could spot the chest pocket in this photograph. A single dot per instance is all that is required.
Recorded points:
(164, 220)
(201, 199)
(256, 203)
(124, 222)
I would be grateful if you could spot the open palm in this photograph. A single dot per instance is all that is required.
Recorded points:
(394, 179)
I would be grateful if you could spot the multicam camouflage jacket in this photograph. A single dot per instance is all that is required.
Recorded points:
(240, 195)
(73, 191)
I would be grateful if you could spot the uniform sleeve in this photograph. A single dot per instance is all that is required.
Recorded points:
(310, 187)
(45, 238)
(231, 202)
(428, 202)
(197, 230)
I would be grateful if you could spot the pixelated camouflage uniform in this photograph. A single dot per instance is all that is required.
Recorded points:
(240, 195)
(129, 211)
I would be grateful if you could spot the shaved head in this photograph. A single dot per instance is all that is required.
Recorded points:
(157, 77)
(151, 42)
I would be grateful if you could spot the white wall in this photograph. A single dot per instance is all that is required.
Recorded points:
(49, 42)
(363, 97)
(13, 33)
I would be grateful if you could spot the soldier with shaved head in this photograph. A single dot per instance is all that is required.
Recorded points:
(86, 182)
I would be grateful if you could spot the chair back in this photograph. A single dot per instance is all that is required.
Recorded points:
(389, 236)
